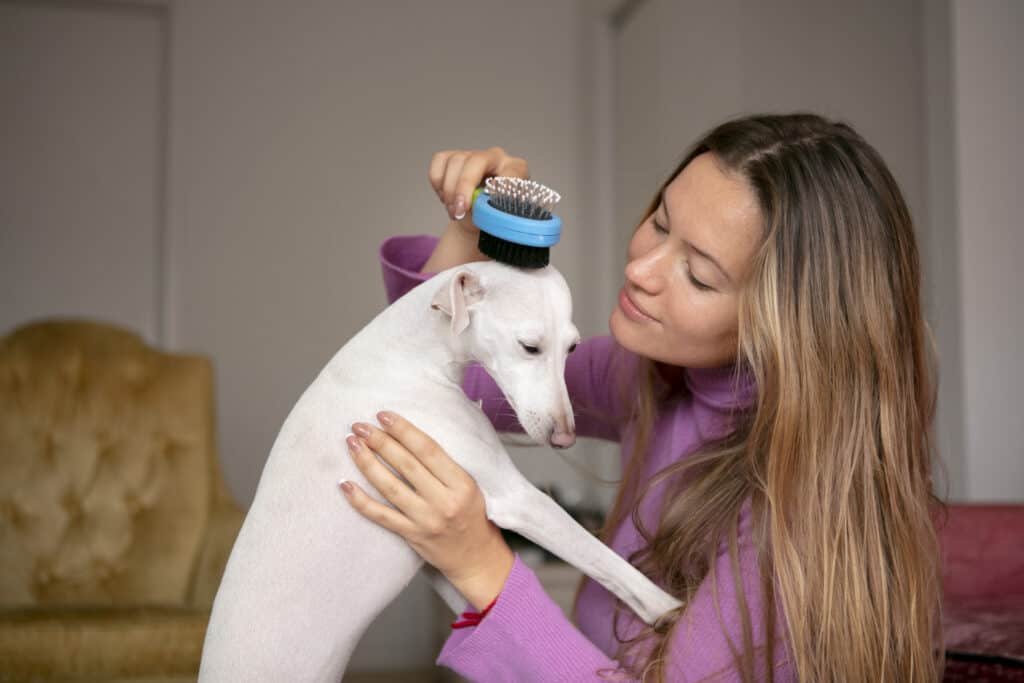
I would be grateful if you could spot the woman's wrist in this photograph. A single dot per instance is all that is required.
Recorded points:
(456, 246)
(482, 584)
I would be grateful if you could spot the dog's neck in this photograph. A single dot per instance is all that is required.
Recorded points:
(419, 339)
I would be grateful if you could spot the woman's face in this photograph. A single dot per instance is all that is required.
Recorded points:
(680, 300)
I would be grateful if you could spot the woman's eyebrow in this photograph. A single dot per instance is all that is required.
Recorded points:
(700, 252)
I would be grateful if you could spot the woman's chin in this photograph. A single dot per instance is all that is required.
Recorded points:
(620, 329)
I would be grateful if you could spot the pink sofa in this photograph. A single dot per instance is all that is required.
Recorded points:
(983, 582)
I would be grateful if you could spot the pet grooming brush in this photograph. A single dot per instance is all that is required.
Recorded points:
(515, 221)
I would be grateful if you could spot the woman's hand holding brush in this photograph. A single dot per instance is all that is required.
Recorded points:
(454, 175)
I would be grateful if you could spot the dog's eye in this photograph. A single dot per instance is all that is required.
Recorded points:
(572, 348)
(530, 349)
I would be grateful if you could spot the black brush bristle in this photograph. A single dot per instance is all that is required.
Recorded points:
(518, 255)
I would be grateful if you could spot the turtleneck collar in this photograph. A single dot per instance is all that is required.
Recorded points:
(722, 388)
(725, 387)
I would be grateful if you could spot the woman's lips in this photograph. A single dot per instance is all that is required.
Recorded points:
(631, 310)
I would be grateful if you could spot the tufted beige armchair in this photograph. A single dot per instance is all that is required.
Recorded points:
(115, 522)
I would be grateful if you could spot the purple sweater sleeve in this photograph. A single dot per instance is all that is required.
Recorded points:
(526, 637)
(588, 375)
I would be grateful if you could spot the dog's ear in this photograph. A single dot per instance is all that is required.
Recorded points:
(454, 298)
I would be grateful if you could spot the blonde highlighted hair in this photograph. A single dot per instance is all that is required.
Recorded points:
(834, 455)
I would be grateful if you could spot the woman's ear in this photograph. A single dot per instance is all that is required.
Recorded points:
(455, 297)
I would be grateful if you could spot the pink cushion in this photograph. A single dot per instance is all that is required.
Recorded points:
(983, 555)
(983, 582)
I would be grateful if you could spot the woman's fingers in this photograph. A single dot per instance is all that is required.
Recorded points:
(384, 480)
(445, 169)
(436, 172)
(477, 166)
(507, 165)
(378, 512)
(471, 176)
(423, 447)
(398, 456)
(452, 173)
(455, 174)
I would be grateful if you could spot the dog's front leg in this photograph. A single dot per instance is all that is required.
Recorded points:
(449, 593)
(536, 516)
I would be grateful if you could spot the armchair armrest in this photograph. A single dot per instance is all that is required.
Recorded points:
(226, 518)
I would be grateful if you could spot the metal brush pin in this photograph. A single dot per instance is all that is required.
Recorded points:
(520, 197)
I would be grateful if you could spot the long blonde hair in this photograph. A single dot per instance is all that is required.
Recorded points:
(834, 455)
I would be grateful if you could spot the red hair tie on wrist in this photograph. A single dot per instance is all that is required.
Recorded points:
(470, 618)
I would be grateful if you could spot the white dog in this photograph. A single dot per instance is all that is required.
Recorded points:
(307, 573)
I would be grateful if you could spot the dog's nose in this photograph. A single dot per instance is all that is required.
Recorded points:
(562, 439)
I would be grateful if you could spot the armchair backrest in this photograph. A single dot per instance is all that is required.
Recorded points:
(107, 466)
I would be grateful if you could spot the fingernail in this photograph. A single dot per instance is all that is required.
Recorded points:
(346, 486)
(353, 444)
(362, 430)
(460, 207)
(386, 418)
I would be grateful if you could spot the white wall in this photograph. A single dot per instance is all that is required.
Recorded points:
(939, 245)
(988, 58)
(81, 163)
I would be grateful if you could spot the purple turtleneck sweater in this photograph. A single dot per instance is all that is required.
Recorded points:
(525, 636)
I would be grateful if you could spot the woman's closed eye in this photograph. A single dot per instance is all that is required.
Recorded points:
(697, 283)
(661, 229)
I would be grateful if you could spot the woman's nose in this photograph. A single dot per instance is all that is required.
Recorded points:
(645, 271)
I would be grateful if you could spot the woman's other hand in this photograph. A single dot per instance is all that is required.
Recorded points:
(440, 512)
(455, 174)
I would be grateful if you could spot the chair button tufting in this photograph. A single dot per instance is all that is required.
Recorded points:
(12, 511)
(47, 448)
(72, 504)
(102, 569)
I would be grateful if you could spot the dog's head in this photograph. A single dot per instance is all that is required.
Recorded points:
(518, 325)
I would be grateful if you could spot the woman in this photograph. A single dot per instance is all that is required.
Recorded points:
(775, 429)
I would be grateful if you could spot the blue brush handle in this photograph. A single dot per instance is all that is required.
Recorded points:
(527, 231)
